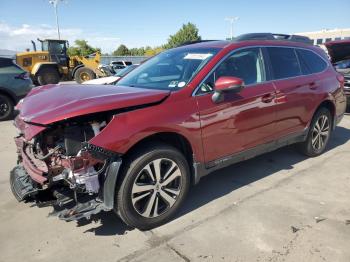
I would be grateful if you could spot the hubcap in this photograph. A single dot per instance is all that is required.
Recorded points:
(4, 107)
(156, 188)
(84, 76)
(320, 132)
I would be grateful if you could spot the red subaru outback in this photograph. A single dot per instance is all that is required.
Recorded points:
(136, 148)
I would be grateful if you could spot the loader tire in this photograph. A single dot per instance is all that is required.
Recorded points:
(48, 76)
(84, 74)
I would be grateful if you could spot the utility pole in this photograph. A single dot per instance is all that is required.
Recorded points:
(55, 3)
(232, 19)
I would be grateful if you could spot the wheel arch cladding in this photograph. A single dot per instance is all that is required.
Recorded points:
(331, 107)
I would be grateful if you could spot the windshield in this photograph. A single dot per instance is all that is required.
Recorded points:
(172, 69)
(126, 70)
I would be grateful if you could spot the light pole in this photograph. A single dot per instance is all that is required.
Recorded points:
(232, 19)
(55, 3)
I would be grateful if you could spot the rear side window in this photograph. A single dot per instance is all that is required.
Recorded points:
(8, 67)
(284, 62)
(310, 62)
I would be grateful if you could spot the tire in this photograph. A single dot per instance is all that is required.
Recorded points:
(319, 134)
(6, 107)
(83, 74)
(47, 76)
(138, 208)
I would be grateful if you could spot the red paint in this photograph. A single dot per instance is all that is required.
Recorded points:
(258, 114)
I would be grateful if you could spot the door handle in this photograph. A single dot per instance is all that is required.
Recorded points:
(268, 98)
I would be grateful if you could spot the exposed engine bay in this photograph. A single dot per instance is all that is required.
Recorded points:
(59, 167)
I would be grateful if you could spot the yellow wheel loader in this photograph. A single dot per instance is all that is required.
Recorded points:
(52, 64)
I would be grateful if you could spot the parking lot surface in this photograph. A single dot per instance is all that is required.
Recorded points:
(280, 206)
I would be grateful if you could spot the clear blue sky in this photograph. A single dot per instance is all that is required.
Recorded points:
(139, 23)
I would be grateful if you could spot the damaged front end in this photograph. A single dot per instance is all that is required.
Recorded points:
(59, 167)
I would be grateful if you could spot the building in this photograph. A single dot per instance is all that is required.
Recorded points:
(326, 35)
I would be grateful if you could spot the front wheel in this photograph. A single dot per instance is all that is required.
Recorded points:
(6, 107)
(155, 184)
(83, 74)
(319, 133)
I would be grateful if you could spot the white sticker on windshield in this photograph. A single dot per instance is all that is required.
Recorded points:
(173, 84)
(181, 84)
(197, 56)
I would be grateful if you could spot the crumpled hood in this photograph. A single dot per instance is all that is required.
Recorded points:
(338, 50)
(51, 103)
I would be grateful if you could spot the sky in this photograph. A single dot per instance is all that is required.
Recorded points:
(135, 23)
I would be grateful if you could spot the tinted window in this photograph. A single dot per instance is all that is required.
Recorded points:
(8, 67)
(246, 64)
(310, 62)
(284, 62)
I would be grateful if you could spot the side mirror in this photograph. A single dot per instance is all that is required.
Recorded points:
(226, 84)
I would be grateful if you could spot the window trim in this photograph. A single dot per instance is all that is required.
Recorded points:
(265, 68)
(268, 69)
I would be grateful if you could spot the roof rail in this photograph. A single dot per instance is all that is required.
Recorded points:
(195, 42)
(270, 36)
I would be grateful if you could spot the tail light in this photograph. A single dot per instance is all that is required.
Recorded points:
(23, 76)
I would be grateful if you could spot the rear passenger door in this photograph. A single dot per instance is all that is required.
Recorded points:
(293, 89)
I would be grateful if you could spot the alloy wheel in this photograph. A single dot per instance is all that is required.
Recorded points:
(320, 132)
(156, 188)
(4, 107)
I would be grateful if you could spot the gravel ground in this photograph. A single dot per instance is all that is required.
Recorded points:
(280, 206)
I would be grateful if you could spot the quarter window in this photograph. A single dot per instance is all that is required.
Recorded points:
(284, 62)
(310, 62)
(246, 64)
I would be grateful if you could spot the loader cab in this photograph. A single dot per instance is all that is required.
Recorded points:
(57, 50)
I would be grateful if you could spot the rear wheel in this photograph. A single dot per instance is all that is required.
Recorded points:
(319, 133)
(155, 184)
(48, 76)
(84, 74)
(6, 107)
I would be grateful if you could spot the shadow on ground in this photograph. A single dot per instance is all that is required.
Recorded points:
(223, 182)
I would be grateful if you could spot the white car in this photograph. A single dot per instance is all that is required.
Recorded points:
(111, 80)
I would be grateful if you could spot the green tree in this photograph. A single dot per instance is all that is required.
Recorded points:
(82, 48)
(153, 51)
(188, 33)
(122, 50)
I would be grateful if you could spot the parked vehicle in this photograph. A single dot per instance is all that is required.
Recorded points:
(184, 113)
(111, 80)
(14, 85)
(339, 52)
(119, 65)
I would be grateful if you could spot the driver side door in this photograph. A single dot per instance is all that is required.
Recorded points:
(242, 120)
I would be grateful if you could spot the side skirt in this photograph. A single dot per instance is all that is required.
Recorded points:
(202, 169)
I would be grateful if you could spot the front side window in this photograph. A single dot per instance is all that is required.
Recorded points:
(246, 64)
(310, 62)
(170, 70)
(284, 62)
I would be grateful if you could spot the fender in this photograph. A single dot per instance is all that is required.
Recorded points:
(75, 69)
(9, 93)
(36, 68)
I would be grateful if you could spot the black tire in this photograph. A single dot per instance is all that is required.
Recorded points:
(311, 147)
(83, 74)
(6, 107)
(133, 170)
(47, 76)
